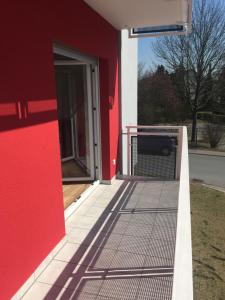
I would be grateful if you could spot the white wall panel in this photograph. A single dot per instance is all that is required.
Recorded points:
(129, 73)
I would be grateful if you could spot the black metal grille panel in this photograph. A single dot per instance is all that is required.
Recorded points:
(153, 156)
(155, 288)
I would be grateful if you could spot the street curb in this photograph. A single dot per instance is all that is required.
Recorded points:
(213, 187)
(207, 153)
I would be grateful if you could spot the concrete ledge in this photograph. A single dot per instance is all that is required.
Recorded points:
(183, 276)
(29, 282)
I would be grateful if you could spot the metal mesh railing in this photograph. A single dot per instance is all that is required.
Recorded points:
(153, 152)
(152, 162)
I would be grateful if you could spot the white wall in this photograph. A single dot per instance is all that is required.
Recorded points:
(129, 73)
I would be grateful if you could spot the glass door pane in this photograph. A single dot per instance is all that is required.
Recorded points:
(75, 122)
(65, 117)
(65, 135)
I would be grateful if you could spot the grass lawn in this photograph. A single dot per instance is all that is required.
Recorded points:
(208, 242)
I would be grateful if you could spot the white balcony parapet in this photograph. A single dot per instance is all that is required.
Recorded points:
(183, 277)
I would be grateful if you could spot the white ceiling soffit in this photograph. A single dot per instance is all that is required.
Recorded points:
(143, 13)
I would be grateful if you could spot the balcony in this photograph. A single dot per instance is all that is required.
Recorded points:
(131, 239)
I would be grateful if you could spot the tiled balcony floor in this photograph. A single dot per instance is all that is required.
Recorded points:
(120, 245)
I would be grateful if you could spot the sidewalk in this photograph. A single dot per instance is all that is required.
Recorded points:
(206, 152)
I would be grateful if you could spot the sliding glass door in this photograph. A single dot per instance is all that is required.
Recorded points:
(74, 97)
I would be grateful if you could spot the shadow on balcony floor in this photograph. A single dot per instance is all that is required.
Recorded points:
(121, 244)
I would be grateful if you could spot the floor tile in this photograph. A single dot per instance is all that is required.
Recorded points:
(111, 241)
(71, 253)
(102, 259)
(105, 298)
(166, 219)
(94, 212)
(57, 273)
(89, 285)
(81, 235)
(118, 227)
(143, 218)
(161, 248)
(133, 244)
(119, 261)
(152, 262)
(145, 204)
(120, 288)
(164, 233)
(102, 202)
(83, 209)
(81, 221)
(143, 230)
(127, 261)
(84, 296)
(124, 217)
(40, 291)
(155, 288)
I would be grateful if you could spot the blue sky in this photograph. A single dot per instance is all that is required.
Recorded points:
(145, 53)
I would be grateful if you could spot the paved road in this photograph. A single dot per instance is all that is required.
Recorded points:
(211, 169)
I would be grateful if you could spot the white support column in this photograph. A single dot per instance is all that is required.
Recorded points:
(129, 74)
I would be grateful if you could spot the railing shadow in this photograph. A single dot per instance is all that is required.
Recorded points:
(81, 268)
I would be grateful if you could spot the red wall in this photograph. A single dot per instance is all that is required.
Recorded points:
(31, 214)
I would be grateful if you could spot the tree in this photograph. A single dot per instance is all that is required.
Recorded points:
(178, 83)
(219, 103)
(141, 70)
(157, 99)
(197, 56)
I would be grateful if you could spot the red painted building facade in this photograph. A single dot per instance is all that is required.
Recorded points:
(31, 160)
(31, 214)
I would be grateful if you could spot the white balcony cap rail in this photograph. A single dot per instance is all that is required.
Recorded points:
(155, 127)
(183, 280)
